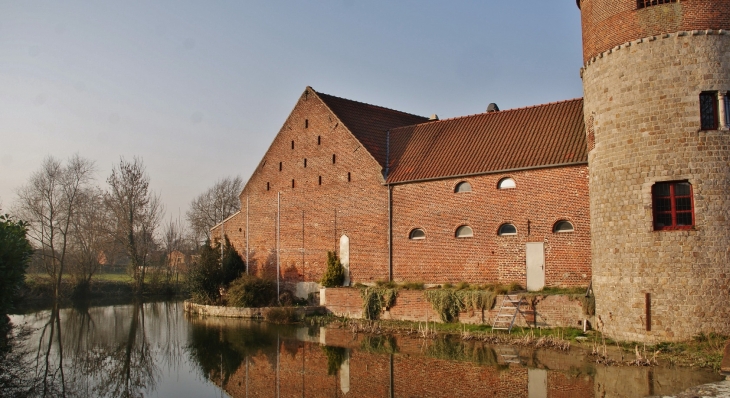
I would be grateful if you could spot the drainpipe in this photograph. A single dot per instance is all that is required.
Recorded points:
(246, 234)
(223, 238)
(278, 243)
(390, 233)
(390, 207)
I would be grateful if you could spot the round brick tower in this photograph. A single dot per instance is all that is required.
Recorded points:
(656, 78)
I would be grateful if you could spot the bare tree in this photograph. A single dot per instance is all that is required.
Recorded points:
(176, 247)
(136, 213)
(91, 236)
(214, 205)
(49, 203)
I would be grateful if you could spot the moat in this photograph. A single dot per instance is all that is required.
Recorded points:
(156, 350)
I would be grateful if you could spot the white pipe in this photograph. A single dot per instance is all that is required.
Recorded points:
(247, 235)
(722, 123)
(278, 243)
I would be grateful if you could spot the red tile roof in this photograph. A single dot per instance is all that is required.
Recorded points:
(369, 123)
(543, 135)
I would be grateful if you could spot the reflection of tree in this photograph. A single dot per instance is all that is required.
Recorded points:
(128, 368)
(49, 364)
(102, 352)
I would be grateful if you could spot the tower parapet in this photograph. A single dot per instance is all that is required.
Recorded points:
(656, 82)
(607, 24)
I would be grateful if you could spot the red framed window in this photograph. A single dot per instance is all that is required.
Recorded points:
(673, 206)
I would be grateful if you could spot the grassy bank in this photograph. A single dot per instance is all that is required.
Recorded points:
(703, 351)
(38, 289)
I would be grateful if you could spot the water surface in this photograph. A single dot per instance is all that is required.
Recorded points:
(155, 350)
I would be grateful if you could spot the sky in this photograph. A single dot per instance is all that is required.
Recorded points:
(199, 89)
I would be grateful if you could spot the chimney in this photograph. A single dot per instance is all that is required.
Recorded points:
(492, 108)
(434, 117)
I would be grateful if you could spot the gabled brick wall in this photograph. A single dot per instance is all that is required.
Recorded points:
(314, 216)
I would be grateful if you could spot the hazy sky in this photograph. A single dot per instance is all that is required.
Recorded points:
(199, 89)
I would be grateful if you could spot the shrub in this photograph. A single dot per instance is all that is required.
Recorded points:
(514, 287)
(374, 299)
(232, 266)
(449, 302)
(413, 286)
(386, 284)
(250, 291)
(589, 305)
(281, 315)
(335, 274)
(15, 252)
(210, 273)
(204, 276)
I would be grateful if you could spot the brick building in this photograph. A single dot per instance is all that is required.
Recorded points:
(411, 199)
(505, 196)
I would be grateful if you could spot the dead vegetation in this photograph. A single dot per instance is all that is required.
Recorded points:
(428, 331)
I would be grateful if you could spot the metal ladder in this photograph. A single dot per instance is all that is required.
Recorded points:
(507, 314)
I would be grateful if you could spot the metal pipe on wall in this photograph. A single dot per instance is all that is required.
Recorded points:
(278, 243)
(246, 234)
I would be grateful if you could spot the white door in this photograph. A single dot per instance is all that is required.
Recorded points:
(345, 258)
(535, 266)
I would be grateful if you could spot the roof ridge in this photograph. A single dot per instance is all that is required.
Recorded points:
(496, 113)
(365, 103)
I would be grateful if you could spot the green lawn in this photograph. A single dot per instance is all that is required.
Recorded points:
(105, 277)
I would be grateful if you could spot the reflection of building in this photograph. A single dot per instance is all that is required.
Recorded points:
(378, 366)
(504, 196)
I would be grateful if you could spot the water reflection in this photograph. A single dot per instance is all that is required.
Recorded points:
(153, 349)
(384, 366)
(114, 351)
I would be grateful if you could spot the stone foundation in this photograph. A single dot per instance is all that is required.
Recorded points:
(241, 312)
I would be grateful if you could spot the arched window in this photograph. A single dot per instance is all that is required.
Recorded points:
(506, 183)
(507, 230)
(462, 187)
(417, 234)
(563, 226)
(464, 231)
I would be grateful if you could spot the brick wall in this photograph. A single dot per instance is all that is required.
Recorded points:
(352, 200)
(411, 305)
(542, 197)
(609, 23)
